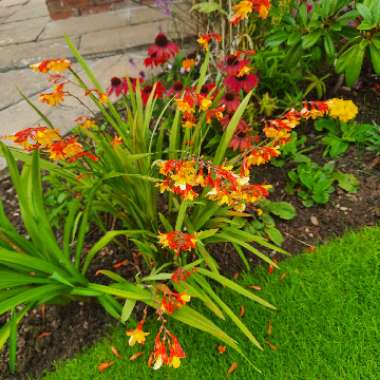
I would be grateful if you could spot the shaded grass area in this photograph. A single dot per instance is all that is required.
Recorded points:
(327, 325)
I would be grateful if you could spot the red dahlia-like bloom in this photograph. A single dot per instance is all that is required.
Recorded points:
(244, 82)
(158, 93)
(161, 51)
(232, 64)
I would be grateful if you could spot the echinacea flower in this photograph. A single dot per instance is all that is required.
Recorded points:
(55, 97)
(159, 91)
(231, 100)
(176, 89)
(161, 51)
(137, 335)
(242, 82)
(51, 65)
(178, 241)
(232, 65)
(118, 86)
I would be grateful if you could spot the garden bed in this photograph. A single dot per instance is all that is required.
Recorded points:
(61, 332)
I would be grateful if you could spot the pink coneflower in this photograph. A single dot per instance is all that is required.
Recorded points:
(231, 100)
(232, 64)
(244, 82)
(118, 86)
(161, 51)
(147, 89)
(176, 90)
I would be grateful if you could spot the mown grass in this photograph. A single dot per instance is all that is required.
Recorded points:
(327, 325)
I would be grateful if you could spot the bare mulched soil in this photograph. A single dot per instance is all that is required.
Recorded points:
(57, 332)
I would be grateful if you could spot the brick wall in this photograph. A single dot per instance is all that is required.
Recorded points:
(60, 9)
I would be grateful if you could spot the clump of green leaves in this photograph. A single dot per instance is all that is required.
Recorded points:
(314, 183)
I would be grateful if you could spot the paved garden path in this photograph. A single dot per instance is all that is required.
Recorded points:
(113, 43)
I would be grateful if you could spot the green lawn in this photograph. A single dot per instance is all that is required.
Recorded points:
(327, 325)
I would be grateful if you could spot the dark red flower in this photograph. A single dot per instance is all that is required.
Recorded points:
(244, 82)
(118, 86)
(161, 51)
(232, 64)
(207, 88)
(177, 89)
(147, 89)
(231, 100)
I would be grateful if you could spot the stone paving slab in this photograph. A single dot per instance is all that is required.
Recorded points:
(127, 37)
(22, 55)
(22, 31)
(100, 22)
(23, 79)
(34, 9)
(12, 3)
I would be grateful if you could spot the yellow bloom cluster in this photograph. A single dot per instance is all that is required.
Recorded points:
(344, 110)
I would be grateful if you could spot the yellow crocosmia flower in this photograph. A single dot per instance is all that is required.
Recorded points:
(47, 137)
(241, 11)
(244, 71)
(344, 110)
(175, 362)
(137, 335)
(205, 104)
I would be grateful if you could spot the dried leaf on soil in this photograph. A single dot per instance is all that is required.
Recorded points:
(136, 356)
(105, 365)
(232, 368)
(116, 352)
(271, 345)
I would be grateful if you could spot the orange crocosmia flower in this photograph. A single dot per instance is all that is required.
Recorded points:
(137, 335)
(186, 104)
(216, 113)
(85, 122)
(102, 97)
(241, 11)
(55, 97)
(180, 275)
(262, 155)
(243, 71)
(188, 64)
(26, 137)
(117, 140)
(204, 102)
(262, 7)
(176, 353)
(47, 136)
(48, 65)
(205, 39)
(159, 356)
(178, 241)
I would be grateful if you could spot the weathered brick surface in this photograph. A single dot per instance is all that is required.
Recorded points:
(60, 9)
